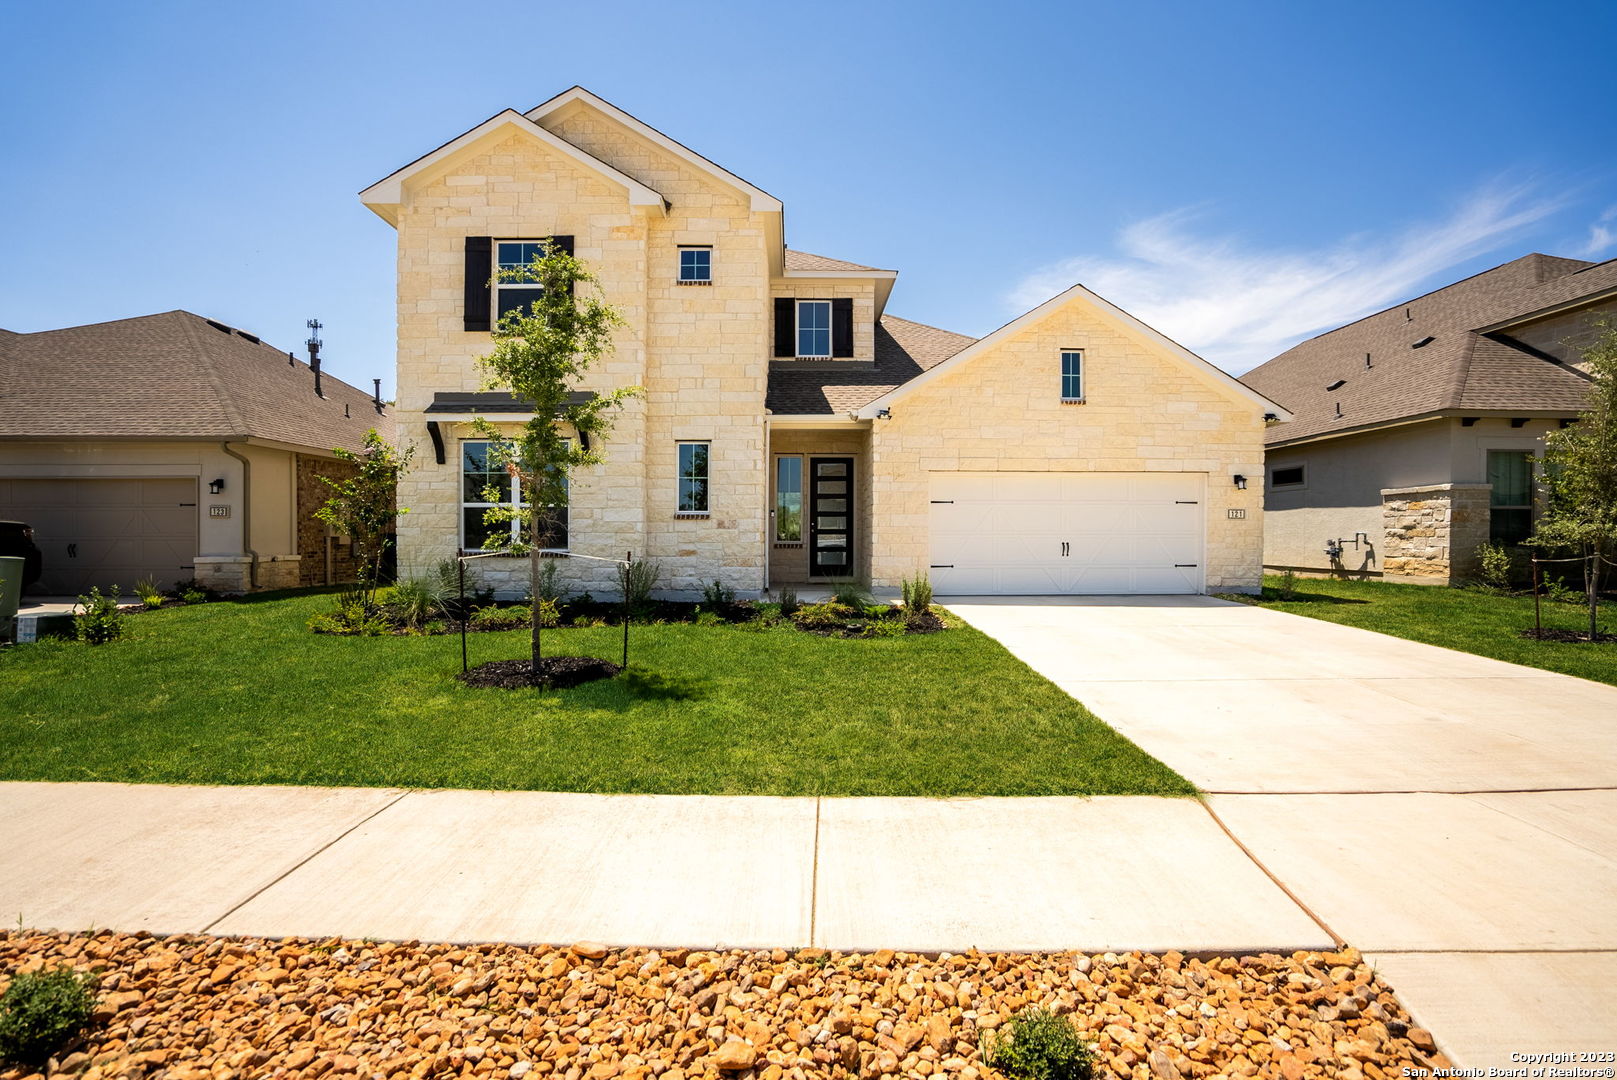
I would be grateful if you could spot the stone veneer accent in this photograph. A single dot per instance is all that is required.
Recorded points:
(311, 495)
(233, 574)
(1433, 531)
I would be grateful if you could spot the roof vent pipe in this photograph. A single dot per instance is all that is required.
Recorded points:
(376, 394)
(314, 353)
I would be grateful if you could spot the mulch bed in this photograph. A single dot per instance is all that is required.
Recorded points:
(1573, 637)
(208, 1008)
(555, 673)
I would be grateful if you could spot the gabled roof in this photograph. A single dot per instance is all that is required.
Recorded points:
(904, 349)
(802, 260)
(761, 199)
(1077, 294)
(386, 194)
(1447, 351)
(172, 376)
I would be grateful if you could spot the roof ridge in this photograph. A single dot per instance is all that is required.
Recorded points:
(209, 362)
(1461, 375)
(927, 326)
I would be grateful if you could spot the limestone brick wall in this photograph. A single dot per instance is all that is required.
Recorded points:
(699, 353)
(863, 293)
(788, 563)
(1144, 411)
(1433, 531)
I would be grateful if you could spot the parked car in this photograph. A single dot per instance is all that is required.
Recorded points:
(17, 541)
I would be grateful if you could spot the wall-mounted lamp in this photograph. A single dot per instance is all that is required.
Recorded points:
(216, 486)
(1240, 482)
(884, 414)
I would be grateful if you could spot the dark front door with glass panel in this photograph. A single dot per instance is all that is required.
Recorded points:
(831, 534)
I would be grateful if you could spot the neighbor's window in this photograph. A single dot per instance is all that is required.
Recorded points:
(1072, 375)
(693, 477)
(696, 265)
(1289, 476)
(814, 328)
(1510, 514)
(479, 475)
(789, 498)
(514, 295)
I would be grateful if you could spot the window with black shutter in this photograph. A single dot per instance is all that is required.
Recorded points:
(842, 326)
(785, 327)
(479, 271)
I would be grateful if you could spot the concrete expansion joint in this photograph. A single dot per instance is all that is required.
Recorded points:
(1336, 938)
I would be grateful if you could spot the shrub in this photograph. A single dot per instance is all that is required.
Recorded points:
(350, 620)
(917, 592)
(1494, 566)
(41, 1010)
(1288, 585)
(150, 595)
(855, 594)
(588, 620)
(98, 619)
(1036, 1044)
(822, 616)
(550, 587)
(636, 580)
(709, 618)
(549, 614)
(1557, 590)
(788, 601)
(717, 594)
(886, 628)
(414, 601)
(498, 618)
(194, 596)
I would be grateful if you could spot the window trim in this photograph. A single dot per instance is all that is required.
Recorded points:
(774, 505)
(706, 477)
(679, 270)
(797, 329)
(514, 524)
(496, 285)
(1296, 485)
(1078, 398)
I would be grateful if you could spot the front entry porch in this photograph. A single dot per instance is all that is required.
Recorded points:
(819, 505)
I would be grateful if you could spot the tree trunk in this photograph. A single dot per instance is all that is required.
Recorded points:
(533, 581)
(1592, 578)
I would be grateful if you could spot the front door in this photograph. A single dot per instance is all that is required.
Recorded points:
(831, 535)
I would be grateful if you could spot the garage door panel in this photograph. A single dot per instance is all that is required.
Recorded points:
(1033, 533)
(108, 532)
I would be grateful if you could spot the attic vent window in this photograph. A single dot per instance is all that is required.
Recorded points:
(219, 326)
(1423, 342)
(1337, 385)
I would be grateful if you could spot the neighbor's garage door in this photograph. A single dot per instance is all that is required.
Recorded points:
(1031, 533)
(107, 532)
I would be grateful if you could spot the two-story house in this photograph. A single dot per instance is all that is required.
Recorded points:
(791, 430)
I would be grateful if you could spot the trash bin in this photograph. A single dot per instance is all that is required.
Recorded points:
(11, 569)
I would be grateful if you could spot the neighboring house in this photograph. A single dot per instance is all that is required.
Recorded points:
(792, 431)
(173, 447)
(1419, 430)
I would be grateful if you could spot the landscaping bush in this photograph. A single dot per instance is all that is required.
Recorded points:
(97, 619)
(636, 580)
(1287, 589)
(1036, 1044)
(1495, 567)
(854, 594)
(788, 601)
(550, 587)
(717, 595)
(825, 616)
(885, 628)
(501, 618)
(150, 595)
(353, 617)
(41, 1010)
(917, 592)
(194, 596)
(413, 602)
(1558, 591)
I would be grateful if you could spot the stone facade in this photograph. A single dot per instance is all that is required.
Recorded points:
(1433, 531)
(325, 559)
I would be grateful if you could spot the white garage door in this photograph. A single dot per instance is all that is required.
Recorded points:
(107, 532)
(1086, 533)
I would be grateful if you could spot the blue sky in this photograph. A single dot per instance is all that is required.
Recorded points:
(1241, 175)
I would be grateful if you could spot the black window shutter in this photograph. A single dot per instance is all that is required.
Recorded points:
(785, 327)
(842, 326)
(479, 269)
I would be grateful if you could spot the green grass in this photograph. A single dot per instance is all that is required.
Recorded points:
(1465, 619)
(242, 693)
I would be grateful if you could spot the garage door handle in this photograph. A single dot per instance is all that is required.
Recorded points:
(942, 566)
(1184, 566)
(72, 551)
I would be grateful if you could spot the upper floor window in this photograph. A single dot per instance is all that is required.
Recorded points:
(1072, 375)
(1287, 476)
(693, 477)
(814, 328)
(514, 295)
(1510, 510)
(695, 266)
(485, 484)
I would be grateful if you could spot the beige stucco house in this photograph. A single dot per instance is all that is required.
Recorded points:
(792, 431)
(1419, 431)
(176, 448)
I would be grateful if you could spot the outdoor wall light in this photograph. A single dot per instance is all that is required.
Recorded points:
(216, 486)
(1240, 482)
(885, 414)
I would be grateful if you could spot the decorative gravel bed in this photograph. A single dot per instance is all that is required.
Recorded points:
(188, 1008)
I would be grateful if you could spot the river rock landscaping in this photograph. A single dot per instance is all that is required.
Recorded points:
(189, 1008)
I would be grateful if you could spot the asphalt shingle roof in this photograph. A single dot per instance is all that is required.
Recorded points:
(172, 376)
(802, 260)
(1458, 368)
(904, 349)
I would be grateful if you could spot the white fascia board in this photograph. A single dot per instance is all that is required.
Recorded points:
(890, 275)
(1209, 373)
(389, 191)
(817, 420)
(762, 200)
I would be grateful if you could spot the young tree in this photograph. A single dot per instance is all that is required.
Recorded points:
(1581, 477)
(363, 506)
(540, 354)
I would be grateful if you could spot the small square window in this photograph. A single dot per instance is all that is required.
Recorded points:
(696, 264)
(1072, 375)
(814, 328)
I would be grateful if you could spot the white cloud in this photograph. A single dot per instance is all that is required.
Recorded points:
(1602, 235)
(1238, 305)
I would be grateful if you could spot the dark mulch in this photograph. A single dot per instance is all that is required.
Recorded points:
(1573, 637)
(555, 673)
(926, 623)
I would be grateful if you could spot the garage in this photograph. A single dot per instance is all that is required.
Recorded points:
(1031, 533)
(107, 532)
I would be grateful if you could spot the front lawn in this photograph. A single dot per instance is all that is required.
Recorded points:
(242, 693)
(1465, 619)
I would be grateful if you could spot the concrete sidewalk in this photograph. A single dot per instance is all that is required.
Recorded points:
(917, 874)
(1452, 816)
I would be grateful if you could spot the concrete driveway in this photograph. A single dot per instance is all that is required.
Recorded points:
(1452, 816)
